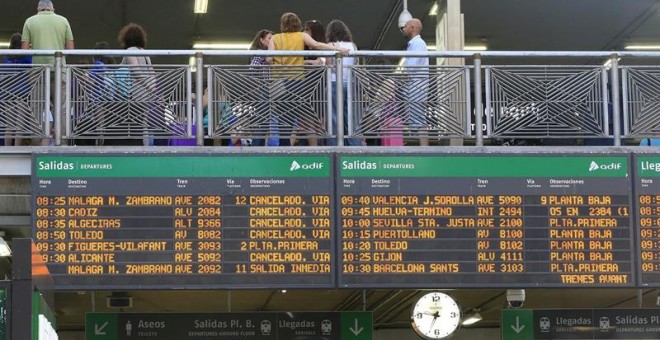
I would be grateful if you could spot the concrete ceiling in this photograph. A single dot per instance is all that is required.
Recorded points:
(592, 25)
(588, 25)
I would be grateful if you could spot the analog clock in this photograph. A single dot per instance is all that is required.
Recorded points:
(435, 316)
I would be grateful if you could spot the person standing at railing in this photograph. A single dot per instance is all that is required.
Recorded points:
(340, 36)
(100, 92)
(140, 91)
(288, 80)
(416, 89)
(259, 63)
(48, 31)
(315, 30)
(23, 87)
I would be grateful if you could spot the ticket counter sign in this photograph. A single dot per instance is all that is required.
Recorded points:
(549, 324)
(230, 326)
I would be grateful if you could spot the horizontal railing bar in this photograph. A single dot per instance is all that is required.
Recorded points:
(362, 53)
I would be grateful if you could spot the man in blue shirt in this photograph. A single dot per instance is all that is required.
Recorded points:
(416, 88)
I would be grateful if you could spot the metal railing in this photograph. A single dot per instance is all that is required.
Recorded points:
(547, 101)
(159, 101)
(387, 100)
(128, 101)
(23, 96)
(262, 101)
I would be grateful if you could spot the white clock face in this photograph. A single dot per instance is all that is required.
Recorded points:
(436, 316)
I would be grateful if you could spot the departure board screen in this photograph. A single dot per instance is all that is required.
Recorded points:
(475, 220)
(196, 221)
(647, 207)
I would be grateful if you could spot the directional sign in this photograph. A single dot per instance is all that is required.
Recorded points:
(230, 326)
(356, 326)
(101, 326)
(525, 324)
(517, 324)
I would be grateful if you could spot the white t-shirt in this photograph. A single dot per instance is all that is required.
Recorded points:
(348, 61)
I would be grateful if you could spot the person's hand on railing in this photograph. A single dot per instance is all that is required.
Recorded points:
(344, 51)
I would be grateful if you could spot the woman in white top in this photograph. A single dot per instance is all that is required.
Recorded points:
(340, 36)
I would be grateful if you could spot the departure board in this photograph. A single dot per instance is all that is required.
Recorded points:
(143, 221)
(647, 207)
(475, 220)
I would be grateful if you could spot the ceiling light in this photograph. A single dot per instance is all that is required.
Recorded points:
(5, 251)
(201, 6)
(472, 318)
(4, 44)
(221, 46)
(434, 10)
(643, 47)
(475, 48)
(283, 291)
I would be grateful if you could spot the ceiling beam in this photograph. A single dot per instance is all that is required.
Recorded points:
(268, 300)
(650, 12)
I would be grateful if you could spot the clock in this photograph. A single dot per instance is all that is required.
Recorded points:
(435, 316)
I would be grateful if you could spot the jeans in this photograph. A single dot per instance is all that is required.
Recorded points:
(347, 141)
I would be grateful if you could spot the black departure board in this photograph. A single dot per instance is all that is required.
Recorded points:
(143, 221)
(647, 209)
(475, 220)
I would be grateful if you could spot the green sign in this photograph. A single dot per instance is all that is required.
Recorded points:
(648, 166)
(184, 166)
(230, 326)
(486, 166)
(517, 324)
(356, 326)
(101, 326)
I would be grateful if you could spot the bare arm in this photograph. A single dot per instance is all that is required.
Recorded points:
(69, 45)
(25, 45)
(315, 45)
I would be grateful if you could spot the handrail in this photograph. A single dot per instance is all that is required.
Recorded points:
(320, 53)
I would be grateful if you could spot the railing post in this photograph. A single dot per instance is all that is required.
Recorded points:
(339, 100)
(48, 125)
(616, 112)
(478, 106)
(67, 104)
(199, 90)
(57, 115)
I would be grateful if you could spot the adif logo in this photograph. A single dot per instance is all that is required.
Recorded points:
(294, 166)
(312, 166)
(612, 166)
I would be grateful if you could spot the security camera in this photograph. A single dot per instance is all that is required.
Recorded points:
(515, 297)
(404, 17)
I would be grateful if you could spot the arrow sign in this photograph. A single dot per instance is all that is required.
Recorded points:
(356, 326)
(517, 324)
(355, 330)
(99, 330)
(518, 327)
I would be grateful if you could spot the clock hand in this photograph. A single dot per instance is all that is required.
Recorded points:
(435, 317)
